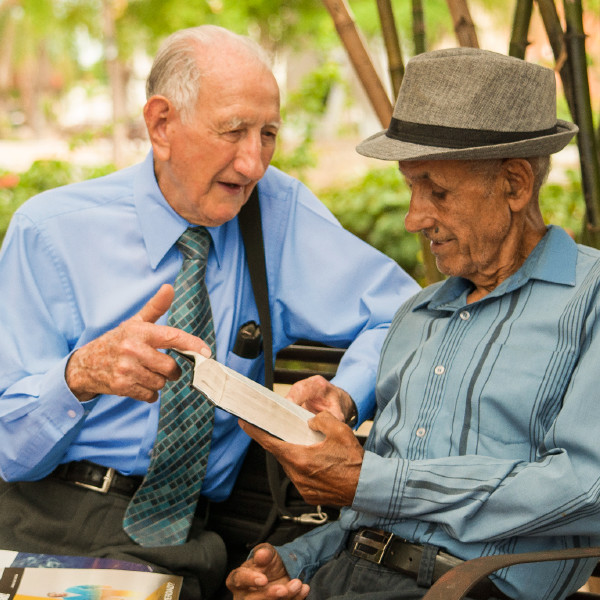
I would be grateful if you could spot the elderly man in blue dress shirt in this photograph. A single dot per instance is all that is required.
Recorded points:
(87, 275)
(485, 439)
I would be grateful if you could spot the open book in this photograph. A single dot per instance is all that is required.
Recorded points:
(252, 402)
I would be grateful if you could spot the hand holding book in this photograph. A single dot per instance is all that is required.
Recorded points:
(252, 402)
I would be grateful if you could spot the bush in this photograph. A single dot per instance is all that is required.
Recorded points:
(563, 204)
(374, 209)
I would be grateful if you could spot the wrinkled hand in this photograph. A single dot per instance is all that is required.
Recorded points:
(316, 394)
(263, 576)
(125, 361)
(324, 473)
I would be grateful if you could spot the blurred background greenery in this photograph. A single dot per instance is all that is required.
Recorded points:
(58, 57)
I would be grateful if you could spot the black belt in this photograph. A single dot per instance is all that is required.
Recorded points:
(95, 477)
(400, 555)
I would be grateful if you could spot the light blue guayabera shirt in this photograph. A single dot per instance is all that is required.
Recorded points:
(487, 425)
(80, 259)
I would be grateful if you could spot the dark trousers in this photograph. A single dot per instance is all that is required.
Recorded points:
(349, 578)
(56, 517)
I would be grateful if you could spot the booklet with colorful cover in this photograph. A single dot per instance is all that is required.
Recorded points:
(26, 576)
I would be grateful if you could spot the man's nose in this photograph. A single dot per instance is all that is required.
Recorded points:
(249, 160)
(419, 215)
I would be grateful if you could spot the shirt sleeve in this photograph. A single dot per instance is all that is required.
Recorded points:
(39, 416)
(477, 498)
(332, 287)
(303, 556)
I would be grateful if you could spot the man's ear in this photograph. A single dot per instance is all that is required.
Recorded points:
(518, 182)
(158, 114)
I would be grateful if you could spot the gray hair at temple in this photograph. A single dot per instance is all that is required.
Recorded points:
(176, 73)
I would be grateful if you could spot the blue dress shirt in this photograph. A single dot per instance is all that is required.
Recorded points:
(79, 260)
(486, 432)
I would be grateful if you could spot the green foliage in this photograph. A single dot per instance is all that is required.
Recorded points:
(42, 175)
(300, 114)
(374, 209)
(563, 204)
(272, 22)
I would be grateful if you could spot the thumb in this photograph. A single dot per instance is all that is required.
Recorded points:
(157, 306)
(325, 422)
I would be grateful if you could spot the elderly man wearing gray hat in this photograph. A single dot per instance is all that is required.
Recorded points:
(485, 436)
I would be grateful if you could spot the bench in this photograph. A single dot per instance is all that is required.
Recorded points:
(456, 583)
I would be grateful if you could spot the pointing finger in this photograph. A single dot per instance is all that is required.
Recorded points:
(157, 306)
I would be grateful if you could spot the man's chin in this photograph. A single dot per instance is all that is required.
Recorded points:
(220, 217)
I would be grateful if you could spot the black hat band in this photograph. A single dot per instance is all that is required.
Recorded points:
(457, 137)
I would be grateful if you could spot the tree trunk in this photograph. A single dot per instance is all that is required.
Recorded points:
(463, 24)
(392, 44)
(418, 26)
(116, 78)
(522, 19)
(356, 49)
(588, 149)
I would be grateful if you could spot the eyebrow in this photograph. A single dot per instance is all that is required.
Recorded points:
(425, 175)
(237, 122)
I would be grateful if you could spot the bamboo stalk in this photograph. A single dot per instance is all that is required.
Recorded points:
(356, 49)
(396, 67)
(418, 26)
(392, 44)
(556, 38)
(588, 148)
(463, 24)
(520, 29)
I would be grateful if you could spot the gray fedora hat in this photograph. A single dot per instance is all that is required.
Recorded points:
(466, 103)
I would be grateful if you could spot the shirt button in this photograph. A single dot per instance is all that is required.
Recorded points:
(421, 432)
(72, 413)
(439, 370)
(465, 315)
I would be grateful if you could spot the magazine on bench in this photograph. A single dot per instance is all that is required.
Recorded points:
(252, 402)
(26, 576)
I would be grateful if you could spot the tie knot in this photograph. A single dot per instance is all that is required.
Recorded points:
(194, 243)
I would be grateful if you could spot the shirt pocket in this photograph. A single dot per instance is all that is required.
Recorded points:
(253, 368)
(522, 394)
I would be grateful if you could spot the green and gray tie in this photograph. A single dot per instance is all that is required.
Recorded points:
(162, 509)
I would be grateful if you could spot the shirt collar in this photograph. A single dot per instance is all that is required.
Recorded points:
(161, 226)
(553, 260)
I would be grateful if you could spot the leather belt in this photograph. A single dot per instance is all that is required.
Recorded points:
(393, 552)
(97, 478)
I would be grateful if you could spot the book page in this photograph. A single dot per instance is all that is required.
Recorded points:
(252, 402)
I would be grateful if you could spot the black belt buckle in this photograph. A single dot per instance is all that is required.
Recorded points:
(371, 544)
(104, 487)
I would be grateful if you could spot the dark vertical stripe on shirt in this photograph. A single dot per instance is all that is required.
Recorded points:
(514, 299)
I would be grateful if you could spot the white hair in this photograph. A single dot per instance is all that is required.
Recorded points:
(176, 72)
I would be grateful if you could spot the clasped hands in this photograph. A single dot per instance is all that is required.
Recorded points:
(324, 473)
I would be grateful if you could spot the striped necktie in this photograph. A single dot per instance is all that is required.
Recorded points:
(161, 511)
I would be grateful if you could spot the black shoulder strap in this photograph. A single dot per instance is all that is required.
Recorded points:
(251, 230)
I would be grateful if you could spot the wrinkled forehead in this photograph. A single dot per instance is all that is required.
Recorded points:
(426, 169)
